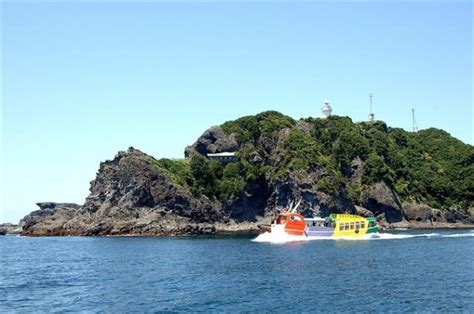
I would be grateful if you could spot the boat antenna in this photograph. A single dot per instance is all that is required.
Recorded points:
(297, 205)
(290, 206)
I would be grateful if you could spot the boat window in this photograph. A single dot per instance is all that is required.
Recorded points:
(352, 225)
(362, 225)
(341, 227)
(346, 226)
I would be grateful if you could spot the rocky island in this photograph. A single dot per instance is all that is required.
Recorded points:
(236, 175)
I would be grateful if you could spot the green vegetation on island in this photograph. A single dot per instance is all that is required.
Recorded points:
(428, 166)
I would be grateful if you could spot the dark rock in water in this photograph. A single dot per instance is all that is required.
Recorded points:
(8, 228)
(53, 219)
(454, 216)
(199, 230)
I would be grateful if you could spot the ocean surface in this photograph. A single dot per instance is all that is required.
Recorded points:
(400, 272)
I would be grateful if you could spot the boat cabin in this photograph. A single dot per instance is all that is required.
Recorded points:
(320, 222)
(294, 223)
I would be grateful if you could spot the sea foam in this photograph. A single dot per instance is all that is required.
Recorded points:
(277, 238)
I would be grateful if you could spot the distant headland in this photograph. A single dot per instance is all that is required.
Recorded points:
(237, 175)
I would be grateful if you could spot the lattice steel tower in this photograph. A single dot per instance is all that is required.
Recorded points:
(371, 114)
(415, 126)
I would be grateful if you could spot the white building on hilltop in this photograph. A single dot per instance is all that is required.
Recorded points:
(223, 157)
(326, 110)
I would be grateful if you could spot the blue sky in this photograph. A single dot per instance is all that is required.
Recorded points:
(83, 80)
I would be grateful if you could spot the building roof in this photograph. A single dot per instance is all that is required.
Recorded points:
(224, 154)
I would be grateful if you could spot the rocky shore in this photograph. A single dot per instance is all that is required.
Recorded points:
(9, 228)
(136, 194)
(130, 197)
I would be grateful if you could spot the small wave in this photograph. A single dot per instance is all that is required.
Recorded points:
(388, 236)
(276, 238)
(460, 235)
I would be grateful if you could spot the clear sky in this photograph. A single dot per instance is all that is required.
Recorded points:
(83, 80)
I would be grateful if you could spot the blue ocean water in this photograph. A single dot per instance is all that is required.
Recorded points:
(412, 271)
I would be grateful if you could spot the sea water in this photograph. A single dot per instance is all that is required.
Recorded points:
(399, 272)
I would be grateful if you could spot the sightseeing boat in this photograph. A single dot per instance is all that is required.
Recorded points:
(334, 226)
(340, 225)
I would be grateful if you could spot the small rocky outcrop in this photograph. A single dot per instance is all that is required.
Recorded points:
(213, 140)
(53, 219)
(421, 213)
(9, 228)
(424, 216)
(458, 216)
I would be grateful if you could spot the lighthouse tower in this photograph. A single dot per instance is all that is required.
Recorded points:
(326, 109)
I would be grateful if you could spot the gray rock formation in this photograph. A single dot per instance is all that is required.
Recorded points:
(303, 185)
(213, 140)
(129, 196)
(8, 228)
(53, 219)
(250, 204)
(384, 203)
(424, 216)
(423, 213)
(132, 180)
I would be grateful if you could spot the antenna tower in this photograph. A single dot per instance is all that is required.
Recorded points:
(415, 126)
(371, 114)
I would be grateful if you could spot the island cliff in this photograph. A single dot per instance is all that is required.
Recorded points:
(406, 180)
